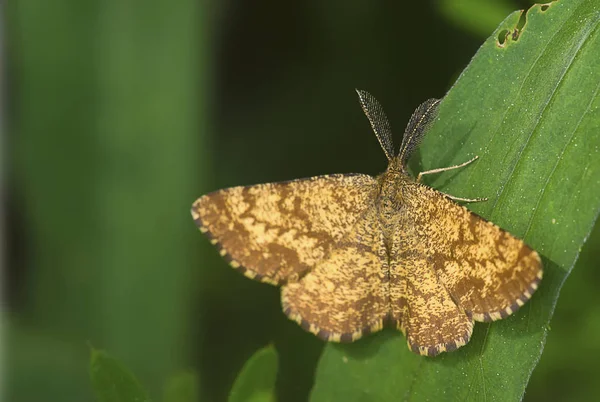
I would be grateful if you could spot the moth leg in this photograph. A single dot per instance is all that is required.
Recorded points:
(465, 199)
(439, 170)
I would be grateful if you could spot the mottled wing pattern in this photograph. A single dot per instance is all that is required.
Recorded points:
(275, 232)
(484, 269)
(420, 305)
(346, 295)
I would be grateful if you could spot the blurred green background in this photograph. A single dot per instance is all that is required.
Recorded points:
(120, 113)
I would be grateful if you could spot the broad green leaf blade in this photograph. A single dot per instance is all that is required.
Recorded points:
(256, 381)
(529, 107)
(112, 382)
(182, 387)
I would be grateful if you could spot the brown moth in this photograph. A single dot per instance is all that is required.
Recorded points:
(353, 253)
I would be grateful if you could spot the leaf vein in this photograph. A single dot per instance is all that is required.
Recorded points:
(571, 136)
(493, 136)
(480, 359)
(560, 81)
(416, 374)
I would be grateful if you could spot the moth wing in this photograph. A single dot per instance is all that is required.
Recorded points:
(486, 270)
(275, 232)
(346, 295)
(421, 307)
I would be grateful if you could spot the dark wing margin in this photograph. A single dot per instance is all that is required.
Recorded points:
(417, 126)
(379, 121)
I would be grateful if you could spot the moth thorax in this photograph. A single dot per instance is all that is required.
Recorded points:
(393, 185)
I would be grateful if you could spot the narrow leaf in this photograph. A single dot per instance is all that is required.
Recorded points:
(256, 381)
(112, 382)
(528, 106)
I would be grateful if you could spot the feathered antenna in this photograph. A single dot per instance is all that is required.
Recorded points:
(378, 120)
(418, 124)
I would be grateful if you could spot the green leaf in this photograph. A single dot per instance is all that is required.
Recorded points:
(182, 387)
(528, 105)
(112, 382)
(256, 381)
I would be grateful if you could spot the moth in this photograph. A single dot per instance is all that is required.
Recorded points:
(354, 253)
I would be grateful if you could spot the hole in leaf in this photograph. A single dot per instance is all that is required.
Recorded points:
(502, 37)
(522, 20)
(544, 7)
(514, 33)
(520, 26)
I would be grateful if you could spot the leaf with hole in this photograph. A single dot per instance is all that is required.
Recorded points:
(528, 106)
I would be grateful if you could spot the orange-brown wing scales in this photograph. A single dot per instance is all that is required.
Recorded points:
(421, 307)
(346, 295)
(276, 232)
(424, 311)
(486, 270)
